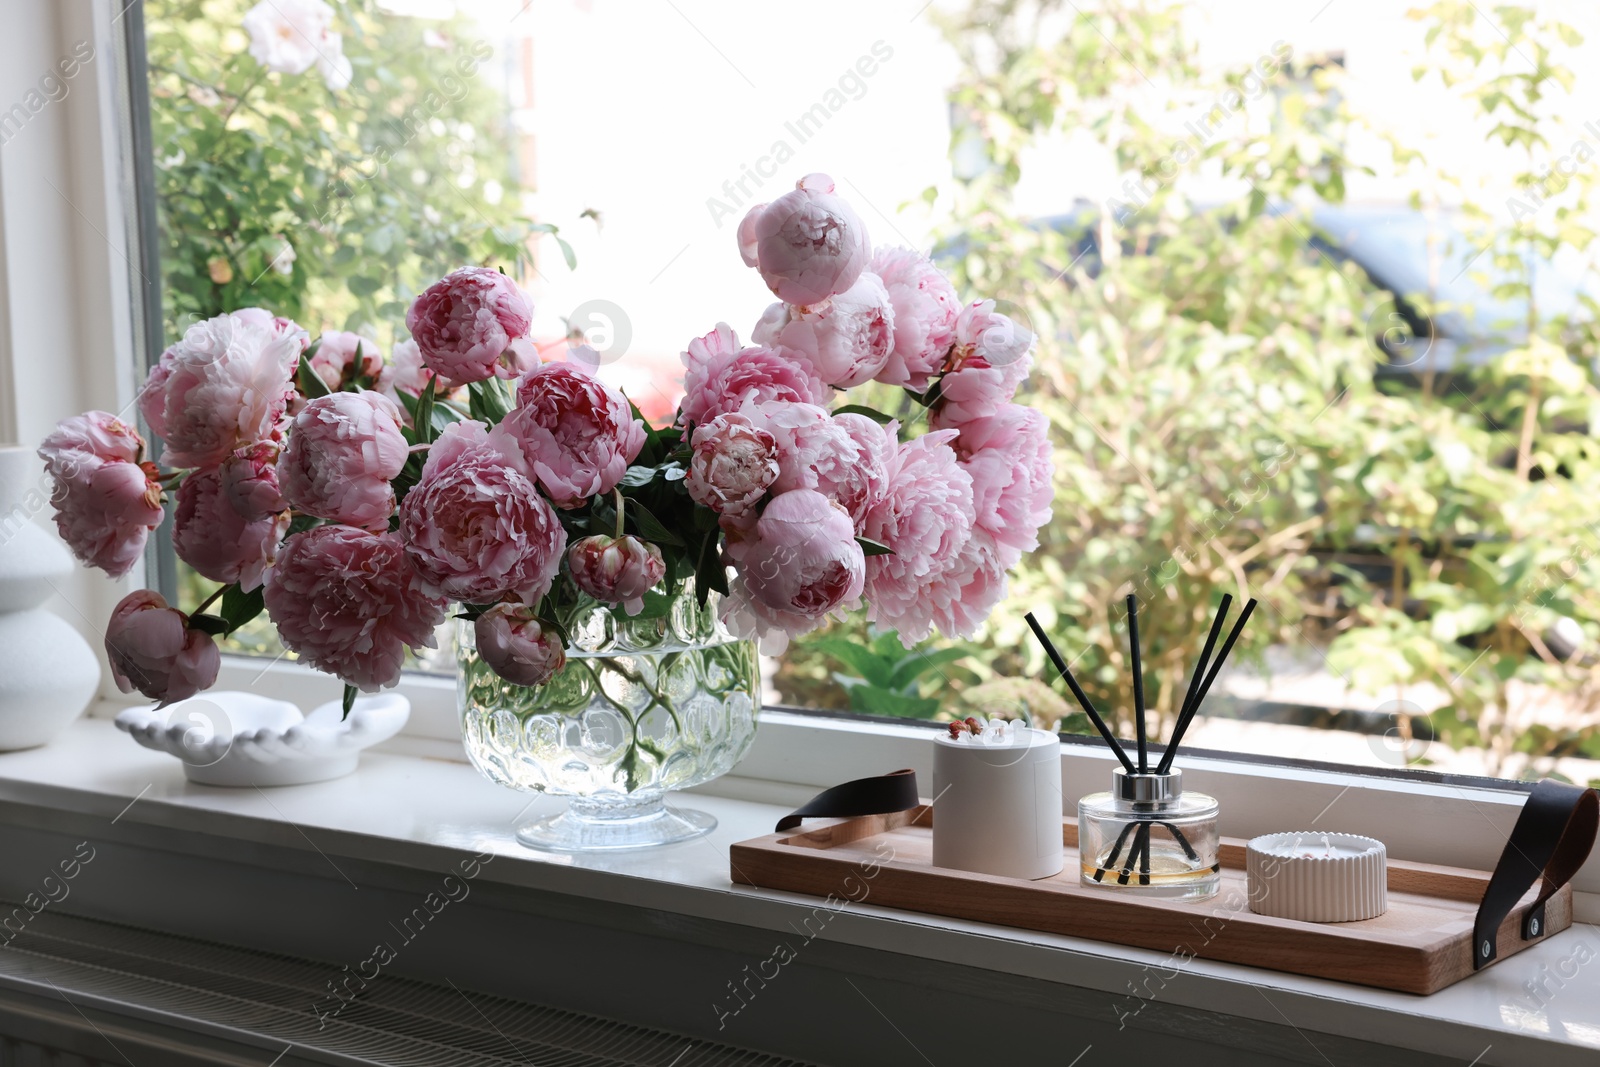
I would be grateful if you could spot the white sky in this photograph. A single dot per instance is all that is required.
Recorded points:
(642, 109)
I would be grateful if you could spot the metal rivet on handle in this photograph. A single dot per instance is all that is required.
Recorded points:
(1533, 927)
(1485, 950)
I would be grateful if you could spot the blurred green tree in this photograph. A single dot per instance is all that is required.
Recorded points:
(329, 206)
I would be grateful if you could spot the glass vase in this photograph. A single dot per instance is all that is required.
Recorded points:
(644, 705)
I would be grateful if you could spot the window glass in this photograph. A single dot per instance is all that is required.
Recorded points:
(1313, 296)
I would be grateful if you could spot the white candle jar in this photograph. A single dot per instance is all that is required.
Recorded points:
(997, 804)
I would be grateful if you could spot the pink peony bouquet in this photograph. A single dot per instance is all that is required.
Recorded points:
(355, 498)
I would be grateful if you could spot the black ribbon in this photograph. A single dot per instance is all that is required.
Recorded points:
(895, 791)
(1552, 838)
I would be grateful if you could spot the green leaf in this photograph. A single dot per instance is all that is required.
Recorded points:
(363, 286)
(871, 667)
(209, 624)
(635, 477)
(861, 409)
(709, 573)
(239, 607)
(919, 663)
(657, 605)
(649, 527)
(871, 701)
(487, 401)
(567, 254)
(423, 419)
(870, 547)
(350, 692)
(311, 383)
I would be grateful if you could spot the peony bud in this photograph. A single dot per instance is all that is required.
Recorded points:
(517, 646)
(808, 244)
(617, 570)
(151, 649)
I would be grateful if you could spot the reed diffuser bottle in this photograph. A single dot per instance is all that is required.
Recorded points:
(1147, 834)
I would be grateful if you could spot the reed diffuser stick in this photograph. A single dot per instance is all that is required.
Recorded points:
(1077, 692)
(1216, 668)
(1138, 683)
(1194, 683)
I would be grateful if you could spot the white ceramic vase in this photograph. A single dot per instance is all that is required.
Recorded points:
(51, 672)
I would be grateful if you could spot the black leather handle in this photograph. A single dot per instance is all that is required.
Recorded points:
(1552, 838)
(895, 791)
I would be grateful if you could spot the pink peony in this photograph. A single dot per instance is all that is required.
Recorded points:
(808, 244)
(925, 310)
(1008, 456)
(210, 535)
(967, 592)
(517, 646)
(802, 564)
(721, 377)
(276, 326)
(821, 452)
(404, 373)
(348, 603)
(106, 501)
(925, 518)
(617, 570)
(250, 481)
(577, 433)
(733, 463)
(475, 526)
(222, 387)
(848, 340)
(151, 649)
(96, 433)
(465, 323)
(863, 484)
(343, 450)
(989, 360)
(343, 359)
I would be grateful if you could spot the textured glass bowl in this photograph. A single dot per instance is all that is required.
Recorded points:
(643, 706)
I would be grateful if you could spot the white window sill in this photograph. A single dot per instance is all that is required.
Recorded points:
(422, 813)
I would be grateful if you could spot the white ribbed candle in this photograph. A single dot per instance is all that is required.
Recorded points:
(1318, 877)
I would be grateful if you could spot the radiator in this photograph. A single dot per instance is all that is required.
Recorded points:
(79, 992)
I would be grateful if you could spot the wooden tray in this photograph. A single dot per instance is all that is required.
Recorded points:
(1421, 945)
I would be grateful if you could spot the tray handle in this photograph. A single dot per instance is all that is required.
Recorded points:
(895, 791)
(1552, 838)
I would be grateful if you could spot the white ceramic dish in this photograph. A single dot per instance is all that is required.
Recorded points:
(241, 739)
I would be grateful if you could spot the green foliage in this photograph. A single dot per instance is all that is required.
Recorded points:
(378, 189)
(1209, 378)
(888, 678)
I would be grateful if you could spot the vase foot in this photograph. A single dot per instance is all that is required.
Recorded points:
(591, 826)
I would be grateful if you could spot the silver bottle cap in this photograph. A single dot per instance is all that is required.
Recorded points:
(1146, 788)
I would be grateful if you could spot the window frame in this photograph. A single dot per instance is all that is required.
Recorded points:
(1451, 821)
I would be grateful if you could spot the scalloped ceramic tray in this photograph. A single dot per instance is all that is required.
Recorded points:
(242, 739)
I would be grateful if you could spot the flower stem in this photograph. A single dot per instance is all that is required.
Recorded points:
(617, 493)
(212, 599)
